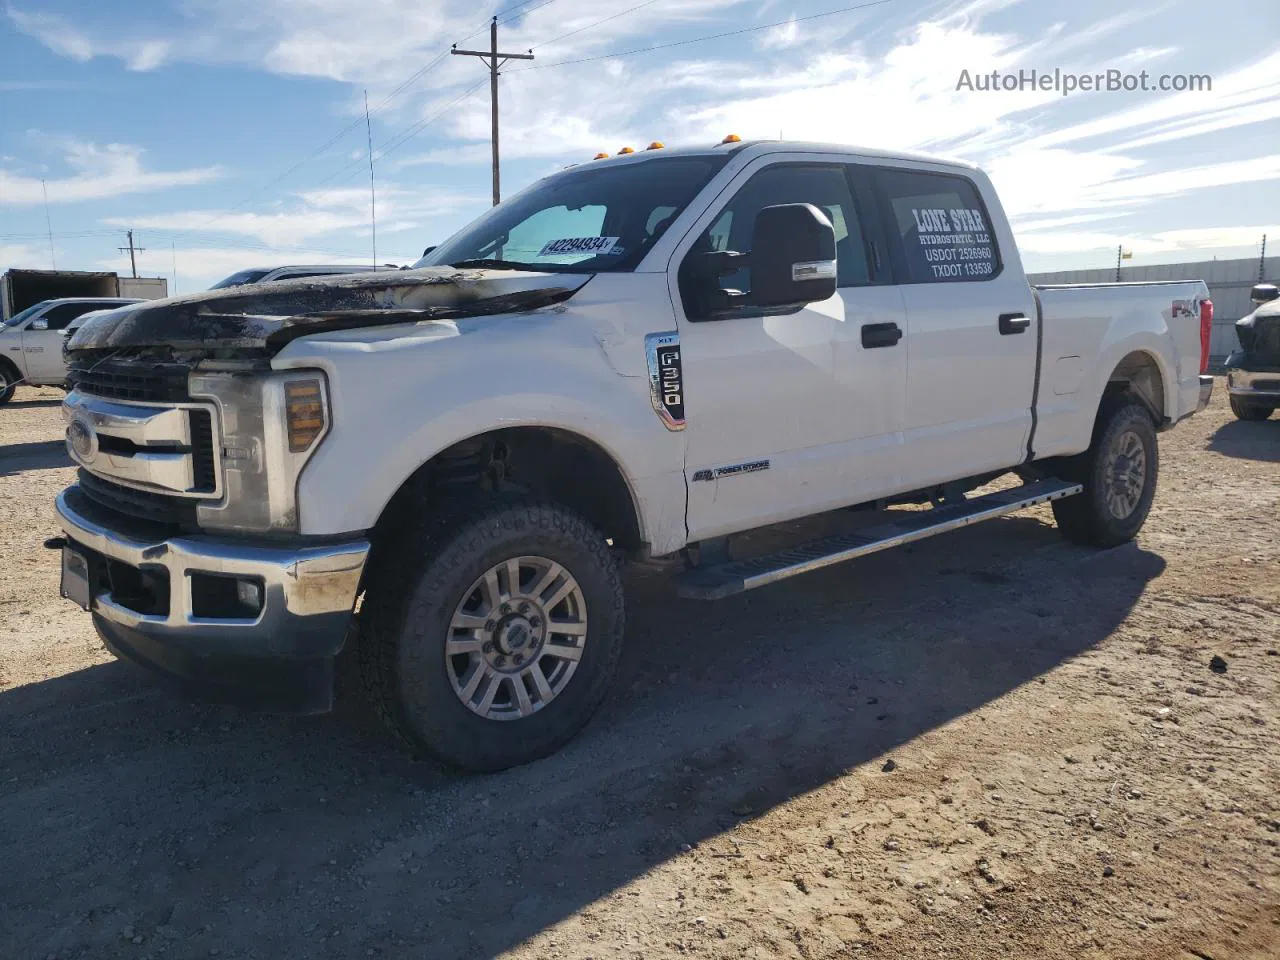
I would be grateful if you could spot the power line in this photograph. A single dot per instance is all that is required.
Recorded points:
(395, 142)
(713, 36)
(590, 26)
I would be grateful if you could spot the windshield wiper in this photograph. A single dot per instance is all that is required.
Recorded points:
(493, 263)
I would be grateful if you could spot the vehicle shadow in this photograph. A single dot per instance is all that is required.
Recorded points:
(1248, 440)
(38, 455)
(42, 402)
(127, 807)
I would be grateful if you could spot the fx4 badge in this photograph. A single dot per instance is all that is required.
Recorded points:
(666, 377)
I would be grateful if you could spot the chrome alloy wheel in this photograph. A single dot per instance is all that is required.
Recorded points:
(1126, 475)
(516, 638)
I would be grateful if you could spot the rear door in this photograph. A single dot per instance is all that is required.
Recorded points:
(971, 348)
(789, 415)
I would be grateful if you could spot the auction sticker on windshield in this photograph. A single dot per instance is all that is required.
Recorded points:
(592, 246)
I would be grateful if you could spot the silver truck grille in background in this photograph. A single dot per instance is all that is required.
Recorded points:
(164, 448)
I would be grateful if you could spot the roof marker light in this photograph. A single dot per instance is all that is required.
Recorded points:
(625, 150)
(601, 156)
(731, 138)
(656, 145)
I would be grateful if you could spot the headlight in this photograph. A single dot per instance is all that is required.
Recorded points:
(271, 425)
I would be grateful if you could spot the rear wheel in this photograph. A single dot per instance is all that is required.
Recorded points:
(1119, 474)
(491, 635)
(1249, 410)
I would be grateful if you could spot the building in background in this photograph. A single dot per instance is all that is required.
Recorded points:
(1229, 284)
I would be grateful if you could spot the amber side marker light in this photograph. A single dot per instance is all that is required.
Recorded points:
(304, 413)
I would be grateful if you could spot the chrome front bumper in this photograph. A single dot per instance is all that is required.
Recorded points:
(1252, 385)
(307, 596)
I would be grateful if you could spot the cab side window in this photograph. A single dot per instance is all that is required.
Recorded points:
(938, 227)
(58, 317)
(824, 186)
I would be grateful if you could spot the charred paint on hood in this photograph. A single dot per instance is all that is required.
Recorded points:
(261, 318)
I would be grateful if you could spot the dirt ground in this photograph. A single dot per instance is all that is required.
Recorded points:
(990, 744)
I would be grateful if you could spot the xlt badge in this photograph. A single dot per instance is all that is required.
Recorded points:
(666, 378)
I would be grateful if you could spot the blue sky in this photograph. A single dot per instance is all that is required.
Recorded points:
(229, 133)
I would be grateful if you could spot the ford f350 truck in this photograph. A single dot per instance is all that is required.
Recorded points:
(636, 357)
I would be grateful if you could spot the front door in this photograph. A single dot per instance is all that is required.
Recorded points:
(43, 347)
(790, 415)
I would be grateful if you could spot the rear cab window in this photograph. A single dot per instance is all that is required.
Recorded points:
(939, 230)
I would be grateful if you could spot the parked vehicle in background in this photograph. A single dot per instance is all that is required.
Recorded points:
(20, 289)
(294, 272)
(637, 357)
(1253, 368)
(31, 342)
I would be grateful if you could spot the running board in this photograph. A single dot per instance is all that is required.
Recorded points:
(737, 576)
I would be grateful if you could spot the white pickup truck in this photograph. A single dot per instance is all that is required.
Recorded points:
(31, 341)
(636, 357)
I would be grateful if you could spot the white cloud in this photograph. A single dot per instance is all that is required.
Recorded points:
(23, 255)
(780, 37)
(100, 171)
(66, 39)
(314, 214)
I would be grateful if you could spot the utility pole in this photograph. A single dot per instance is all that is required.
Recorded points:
(132, 250)
(490, 57)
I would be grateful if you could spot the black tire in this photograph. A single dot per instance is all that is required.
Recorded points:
(413, 591)
(1092, 517)
(1245, 410)
(8, 381)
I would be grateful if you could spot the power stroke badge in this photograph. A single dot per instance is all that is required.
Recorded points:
(666, 377)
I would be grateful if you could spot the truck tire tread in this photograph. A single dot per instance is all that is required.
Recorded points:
(405, 586)
(9, 377)
(1084, 518)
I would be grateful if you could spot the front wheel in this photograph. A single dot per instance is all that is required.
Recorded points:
(1246, 410)
(1119, 474)
(493, 634)
(8, 382)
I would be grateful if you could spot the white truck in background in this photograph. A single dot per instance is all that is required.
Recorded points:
(636, 357)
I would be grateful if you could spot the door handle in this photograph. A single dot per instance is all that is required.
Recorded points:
(880, 335)
(1013, 323)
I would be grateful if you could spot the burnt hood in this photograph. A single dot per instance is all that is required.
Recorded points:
(263, 317)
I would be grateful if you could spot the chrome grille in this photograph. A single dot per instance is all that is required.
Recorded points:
(165, 449)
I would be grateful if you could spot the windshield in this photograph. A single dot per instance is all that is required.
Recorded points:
(21, 315)
(238, 279)
(589, 219)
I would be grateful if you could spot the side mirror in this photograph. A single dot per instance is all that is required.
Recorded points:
(793, 256)
(40, 324)
(1263, 293)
